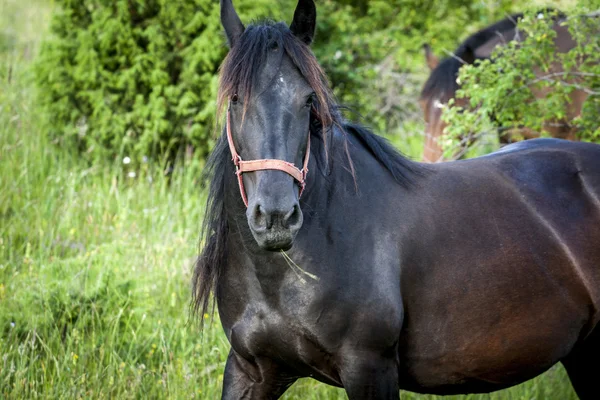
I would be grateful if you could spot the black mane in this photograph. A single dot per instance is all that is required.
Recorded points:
(442, 80)
(236, 73)
(404, 171)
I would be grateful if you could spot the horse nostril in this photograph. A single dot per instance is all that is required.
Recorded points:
(264, 219)
(268, 220)
(293, 217)
(259, 216)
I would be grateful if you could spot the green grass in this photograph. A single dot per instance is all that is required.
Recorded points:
(95, 265)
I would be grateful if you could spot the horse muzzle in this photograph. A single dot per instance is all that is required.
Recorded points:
(274, 227)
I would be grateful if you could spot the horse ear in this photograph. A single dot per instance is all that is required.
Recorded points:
(305, 21)
(231, 22)
(430, 58)
(468, 55)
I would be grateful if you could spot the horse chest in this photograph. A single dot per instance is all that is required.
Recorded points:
(258, 331)
(266, 333)
(311, 324)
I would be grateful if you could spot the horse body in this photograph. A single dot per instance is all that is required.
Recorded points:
(459, 277)
(493, 292)
(458, 300)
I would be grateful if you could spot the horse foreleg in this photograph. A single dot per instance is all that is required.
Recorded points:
(370, 377)
(583, 367)
(254, 380)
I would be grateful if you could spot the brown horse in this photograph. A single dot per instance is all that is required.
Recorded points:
(441, 86)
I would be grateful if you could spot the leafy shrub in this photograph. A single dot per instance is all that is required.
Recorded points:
(500, 91)
(133, 77)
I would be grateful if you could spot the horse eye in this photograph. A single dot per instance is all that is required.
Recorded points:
(310, 100)
(234, 98)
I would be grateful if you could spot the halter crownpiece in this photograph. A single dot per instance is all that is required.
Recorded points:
(242, 166)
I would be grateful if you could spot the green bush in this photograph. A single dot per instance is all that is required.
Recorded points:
(133, 77)
(500, 91)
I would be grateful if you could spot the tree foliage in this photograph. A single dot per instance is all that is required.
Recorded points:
(372, 50)
(133, 77)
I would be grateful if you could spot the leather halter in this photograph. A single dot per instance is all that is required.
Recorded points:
(242, 166)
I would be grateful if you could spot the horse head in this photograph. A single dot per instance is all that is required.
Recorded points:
(272, 86)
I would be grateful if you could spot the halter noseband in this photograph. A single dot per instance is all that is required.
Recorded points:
(242, 166)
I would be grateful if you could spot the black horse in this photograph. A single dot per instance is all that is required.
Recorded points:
(458, 277)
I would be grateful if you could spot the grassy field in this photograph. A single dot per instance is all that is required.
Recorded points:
(95, 265)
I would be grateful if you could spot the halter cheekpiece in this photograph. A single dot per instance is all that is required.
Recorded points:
(242, 166)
